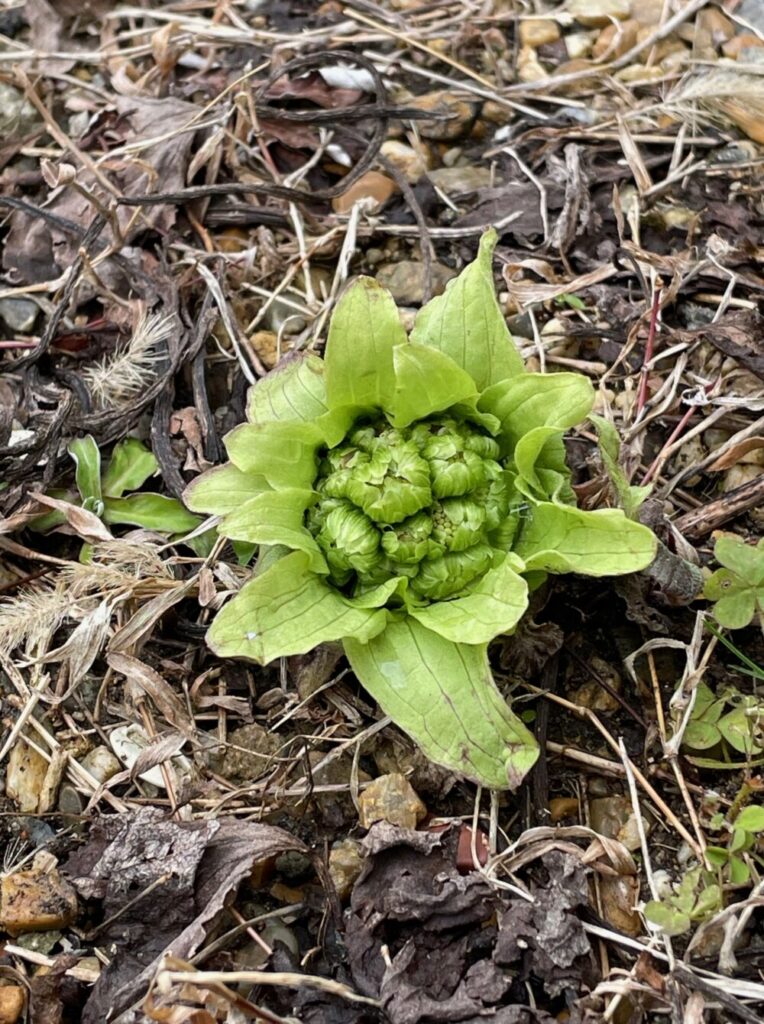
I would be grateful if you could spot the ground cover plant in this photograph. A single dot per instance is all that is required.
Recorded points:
(420, 485)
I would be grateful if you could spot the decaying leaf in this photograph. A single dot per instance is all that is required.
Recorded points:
(447, 959)
(163, 883)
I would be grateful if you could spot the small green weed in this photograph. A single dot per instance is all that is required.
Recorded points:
(693, 900)
(103, 491)
(737, 589)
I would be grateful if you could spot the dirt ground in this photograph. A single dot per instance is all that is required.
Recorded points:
(185, 189)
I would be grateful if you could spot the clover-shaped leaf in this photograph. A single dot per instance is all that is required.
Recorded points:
(737, 589)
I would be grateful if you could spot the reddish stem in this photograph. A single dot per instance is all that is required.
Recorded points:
(675, 433)
(649, 348)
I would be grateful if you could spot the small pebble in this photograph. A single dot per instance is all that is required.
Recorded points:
(250, 750)
(619, 897)
(462, 114)
(17, 115)
(410, 162)
(12, 1001)
(598, 13)
(101, 763)
(537, 32)
(391, 798)
(615, 40)
(345, 865)
(579, 44)
(70, 801)
(734, 47)
(373, 186)
(405, 280)
(459, 180)
(19, 315)
(36, 901)
(561, 807)
(25, 776)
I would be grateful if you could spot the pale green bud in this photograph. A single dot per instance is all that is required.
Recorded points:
(483, 446)
(439, 578)
(494, 495)
(457, 523)
(409, 542)
(455, 471)
(392, 484)
(349, 539)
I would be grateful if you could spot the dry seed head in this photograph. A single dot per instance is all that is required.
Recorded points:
(116, 380)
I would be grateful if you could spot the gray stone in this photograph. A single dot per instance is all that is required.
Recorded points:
(456, 180)
(17, 115)
(19, 315)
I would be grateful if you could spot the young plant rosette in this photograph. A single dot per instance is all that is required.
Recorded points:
(406, 492)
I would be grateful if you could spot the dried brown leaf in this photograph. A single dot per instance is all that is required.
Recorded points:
(85, 524)
(163, 883)
(736, 453)
(158, 689)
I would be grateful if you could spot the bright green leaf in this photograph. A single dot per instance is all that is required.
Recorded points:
(276, 517)
(495, 606)
(294, 390)
(735, 600)
(537, 400)
(708, 902)
(243, 551)
(751, 818)
(670, 920)
(203, 543)
(443, 695)
(630, 497)
(527, 461)
(364, 330)
(49, 520)
(223, 489)
(740, 840)
(559, 539)
(283, 453)
(377, 597)
(540, 467)
(288, 609)
(87, 459)
(708, 707)
(738, 588)
(130, 466)
(735, 727)
(151, 511)
(743, 559)
(700, 735)
(717, 856)
(739, 872)
(467, 324)
(426, 381)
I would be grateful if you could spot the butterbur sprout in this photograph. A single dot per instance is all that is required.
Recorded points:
(402, 491)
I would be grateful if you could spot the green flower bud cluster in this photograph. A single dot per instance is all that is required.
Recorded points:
(421, 502)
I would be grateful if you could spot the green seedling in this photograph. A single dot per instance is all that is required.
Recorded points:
(104, 492)
(694, 899)
(737, 589)
(728, 724)
(743, 835)
(572, 301)
(405, 493)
